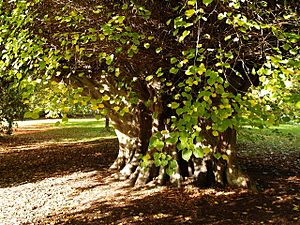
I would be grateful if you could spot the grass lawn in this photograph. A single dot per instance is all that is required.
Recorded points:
(281, 138)
(284, 138)
(75, 130)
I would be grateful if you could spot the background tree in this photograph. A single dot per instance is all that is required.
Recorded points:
(21, 60)
(12, 106)
(176, 78)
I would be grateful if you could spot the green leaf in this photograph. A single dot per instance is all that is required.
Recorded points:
(148, 78)
(227, 38)
(42, 65)
(174, 70)
(19, 76)
(207, 2)
(109, 59)
(27, 115)
(146, 45)
(190, 12)
(97, 117)
(198, 153)
(171, 140)
(173, 60)
(293, 51)
(65, 119)
(222, 16)
(186, 154)
(172, 165)
(201, 69)
(157, 162)
(118, 50)
(174, 105)
(158, 50)
(117, 72)
(217, 155)
(158, 144)
(35, 116)
(286, 46)
(184, 35)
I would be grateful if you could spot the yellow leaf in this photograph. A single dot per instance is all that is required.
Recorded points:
(100, 106)
(66, 109)
(116, 108)
(105, 98)
(94, 107)
(215, 133)
(126, 109)
(190, 13)
(206, 150)
(225, 157)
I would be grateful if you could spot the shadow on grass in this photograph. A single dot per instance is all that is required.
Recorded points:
(33, 162)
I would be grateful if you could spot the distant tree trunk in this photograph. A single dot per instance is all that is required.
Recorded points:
(134, 132)
(106, 122)
(9, 129)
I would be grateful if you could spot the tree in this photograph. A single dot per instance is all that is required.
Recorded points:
(176, 78)
(19, 60)
(11, 106)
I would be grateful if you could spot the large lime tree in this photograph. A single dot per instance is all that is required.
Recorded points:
(176, 78)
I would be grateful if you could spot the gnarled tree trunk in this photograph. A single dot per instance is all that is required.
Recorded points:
(134, 132)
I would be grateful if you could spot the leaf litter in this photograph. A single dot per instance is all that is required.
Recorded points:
(44, 182)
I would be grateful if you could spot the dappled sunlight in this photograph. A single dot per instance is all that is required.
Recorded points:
(295, 179)
(52, 196)
(48, 178)
(66, 195)
(34, 161)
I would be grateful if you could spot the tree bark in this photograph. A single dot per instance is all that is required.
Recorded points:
(225, 170)
(107, 122)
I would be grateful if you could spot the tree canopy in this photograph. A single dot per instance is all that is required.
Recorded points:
(177, 78)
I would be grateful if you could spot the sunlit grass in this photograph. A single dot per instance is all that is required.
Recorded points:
(285, 137)
(75, 130)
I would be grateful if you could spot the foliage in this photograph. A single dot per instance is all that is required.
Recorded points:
(11, 106)
(56, 100)
(201, 67)
(21, 59)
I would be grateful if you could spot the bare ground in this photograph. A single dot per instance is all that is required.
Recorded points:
(44, 182)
